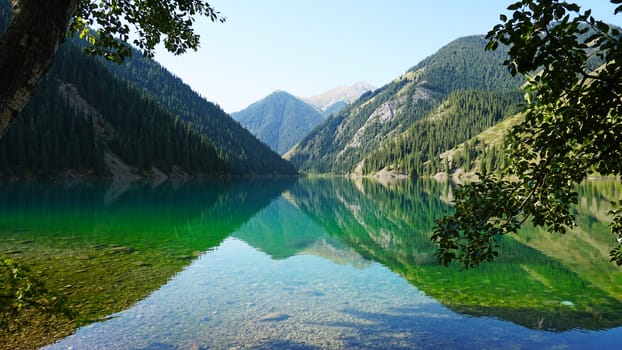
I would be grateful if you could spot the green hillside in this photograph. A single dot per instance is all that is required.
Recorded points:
(80, 116)
(234, 144)
(280, 120)
(342, 142)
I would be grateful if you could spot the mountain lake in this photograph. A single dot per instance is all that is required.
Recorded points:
(302, 263)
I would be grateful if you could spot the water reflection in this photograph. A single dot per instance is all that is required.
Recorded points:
(197, 215)
(330, 263)
(339, 264)
(107, 246)
(392, 224)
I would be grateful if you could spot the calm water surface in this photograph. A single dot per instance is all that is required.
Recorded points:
(307, 264)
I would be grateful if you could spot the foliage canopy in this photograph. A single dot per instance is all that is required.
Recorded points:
(154, 21)
(572, 127)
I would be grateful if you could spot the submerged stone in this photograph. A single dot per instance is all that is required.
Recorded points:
(316, 293)
(274, 316)
(122, 249)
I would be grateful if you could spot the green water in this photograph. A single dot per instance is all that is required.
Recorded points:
(305, 264)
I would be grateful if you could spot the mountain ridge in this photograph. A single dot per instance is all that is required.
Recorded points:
(279, 120)
(341, 143)
(235, 144)
(331, 101)
(83, 122)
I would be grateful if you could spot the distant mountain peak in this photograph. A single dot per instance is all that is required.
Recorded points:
(280, 92)
(280, 120)
(347, 94)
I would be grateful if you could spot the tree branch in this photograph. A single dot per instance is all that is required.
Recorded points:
(27, 49)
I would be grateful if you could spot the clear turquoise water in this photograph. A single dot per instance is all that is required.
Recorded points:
(327, 264)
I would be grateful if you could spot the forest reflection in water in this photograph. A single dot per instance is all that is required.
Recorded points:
(540, 281)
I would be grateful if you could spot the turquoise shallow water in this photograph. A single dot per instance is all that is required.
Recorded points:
(328, 264)
(237, 297)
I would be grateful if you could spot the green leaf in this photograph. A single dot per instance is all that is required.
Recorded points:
(515, 6)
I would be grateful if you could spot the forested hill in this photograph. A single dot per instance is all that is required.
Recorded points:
(460, 69)
(92, 118)
(236, 145)
(280, 120)
(83, 121)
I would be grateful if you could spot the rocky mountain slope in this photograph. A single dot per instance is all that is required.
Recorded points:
(342, 142)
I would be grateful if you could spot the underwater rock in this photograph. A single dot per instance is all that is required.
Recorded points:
(274, 316)
(121, 249)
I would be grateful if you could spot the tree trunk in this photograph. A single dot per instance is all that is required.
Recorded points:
(27, 49)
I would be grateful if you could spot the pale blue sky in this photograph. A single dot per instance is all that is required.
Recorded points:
(306, 47)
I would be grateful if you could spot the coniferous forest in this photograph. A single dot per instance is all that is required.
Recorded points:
(234, 144)
(80, 112)
(466, 113)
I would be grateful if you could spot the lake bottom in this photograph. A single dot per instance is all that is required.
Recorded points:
(236, 297)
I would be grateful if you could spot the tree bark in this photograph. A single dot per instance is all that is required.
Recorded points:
(27, 50)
